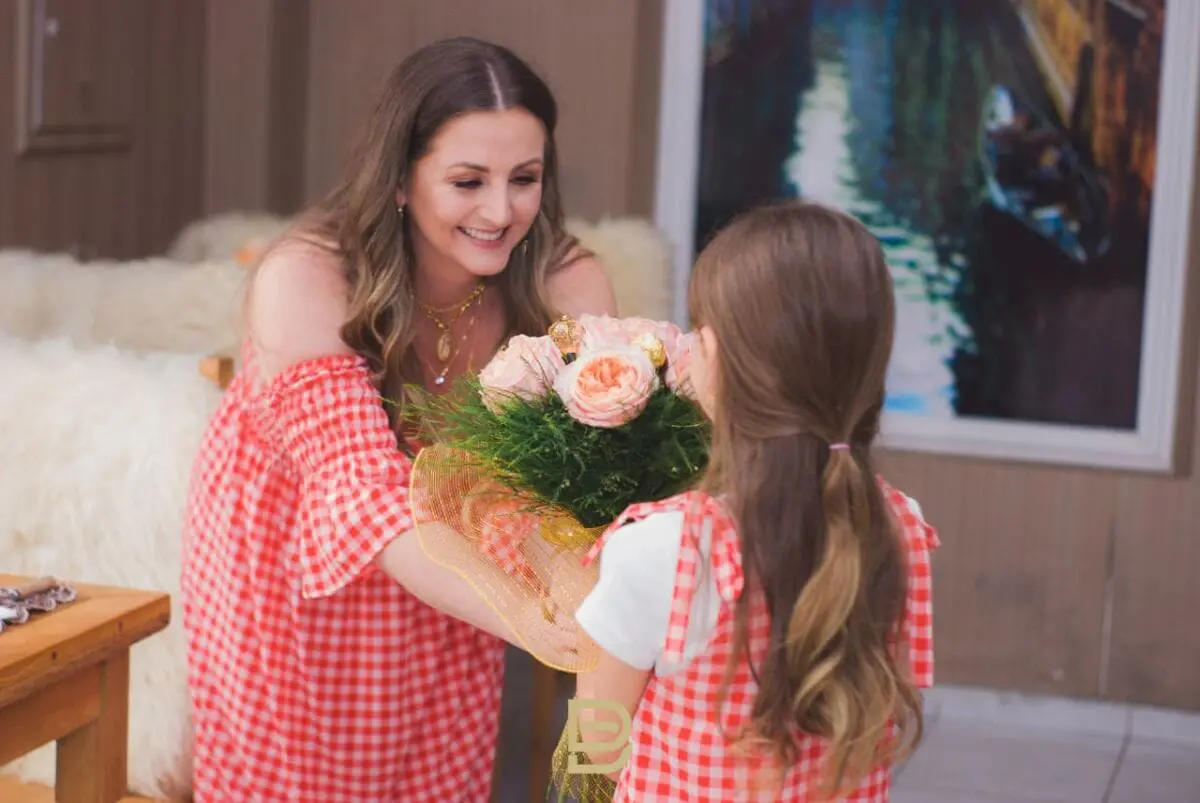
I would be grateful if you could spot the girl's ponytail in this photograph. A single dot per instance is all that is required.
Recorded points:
(848, 686)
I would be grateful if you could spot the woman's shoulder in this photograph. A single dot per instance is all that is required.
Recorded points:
(298, 304)
(578, 284)
(300, 259)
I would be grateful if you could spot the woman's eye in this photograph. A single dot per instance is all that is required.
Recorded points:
(525, 180)
(468, 184)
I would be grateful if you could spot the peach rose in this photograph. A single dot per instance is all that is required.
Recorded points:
(679, 365)
(607, 388)
(524, 369)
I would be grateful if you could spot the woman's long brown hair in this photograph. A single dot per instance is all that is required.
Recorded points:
(800, 300)
(360, 222)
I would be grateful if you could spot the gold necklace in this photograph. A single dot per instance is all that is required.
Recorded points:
(440, 378)
(446, 339)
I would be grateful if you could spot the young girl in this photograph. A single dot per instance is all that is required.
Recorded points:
(768, 633)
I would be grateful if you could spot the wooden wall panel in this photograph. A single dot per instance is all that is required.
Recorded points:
(1155, 652)
(121, 203)
(237, 103)
(287, 128)
(1155, 645)
(1021, 578)
(599, 58)
(256, 94)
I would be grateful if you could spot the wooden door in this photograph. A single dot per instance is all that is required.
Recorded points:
(101, 124)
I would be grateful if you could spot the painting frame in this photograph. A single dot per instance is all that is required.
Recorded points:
(1152, 446)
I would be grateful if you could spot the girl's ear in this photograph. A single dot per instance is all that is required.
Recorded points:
(401, 197)
(708, 349)
(704, 370)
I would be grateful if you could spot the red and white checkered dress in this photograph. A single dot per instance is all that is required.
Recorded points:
(679, 753)
(314, 677)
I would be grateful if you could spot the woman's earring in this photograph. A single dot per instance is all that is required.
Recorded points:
(400, 209)
(524, 248)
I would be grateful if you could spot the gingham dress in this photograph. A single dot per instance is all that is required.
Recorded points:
(679, 754)
(314, 677)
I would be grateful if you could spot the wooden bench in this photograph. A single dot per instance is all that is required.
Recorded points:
(64, 677)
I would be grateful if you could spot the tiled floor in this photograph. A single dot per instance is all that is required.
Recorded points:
(989, 747)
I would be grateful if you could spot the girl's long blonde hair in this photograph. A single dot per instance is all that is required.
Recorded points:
(800, 300)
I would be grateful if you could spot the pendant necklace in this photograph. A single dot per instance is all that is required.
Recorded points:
(445, 342)
(446, 352)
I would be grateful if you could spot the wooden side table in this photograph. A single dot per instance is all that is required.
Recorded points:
(64, 677)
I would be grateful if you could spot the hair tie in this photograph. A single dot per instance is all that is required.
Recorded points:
(839, 447)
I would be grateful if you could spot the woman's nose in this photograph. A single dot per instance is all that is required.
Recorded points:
(496, 209)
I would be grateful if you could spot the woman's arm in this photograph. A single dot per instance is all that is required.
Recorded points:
(298, 303)
(438, 587)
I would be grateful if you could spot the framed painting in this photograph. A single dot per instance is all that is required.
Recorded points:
(1028, 167)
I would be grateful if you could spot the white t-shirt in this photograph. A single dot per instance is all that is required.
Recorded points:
(628, 610)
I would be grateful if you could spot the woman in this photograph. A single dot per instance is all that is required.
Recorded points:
(322, 663)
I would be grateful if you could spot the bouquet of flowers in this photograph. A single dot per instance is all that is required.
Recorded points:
(529, 462)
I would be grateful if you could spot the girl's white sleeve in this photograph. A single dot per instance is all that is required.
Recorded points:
(627, 612)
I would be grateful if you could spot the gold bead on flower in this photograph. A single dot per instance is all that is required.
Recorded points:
(653, 347)
(567, 335)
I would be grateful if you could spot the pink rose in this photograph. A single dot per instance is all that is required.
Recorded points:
(607, 388)
(679, 365)
(524, 369)
(602, 331)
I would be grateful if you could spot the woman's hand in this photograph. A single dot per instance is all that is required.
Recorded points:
(566, 582)
(550, 630)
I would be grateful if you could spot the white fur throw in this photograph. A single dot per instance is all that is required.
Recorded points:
(148, 304)
(224, 236)
(101, 410)
(97, 444)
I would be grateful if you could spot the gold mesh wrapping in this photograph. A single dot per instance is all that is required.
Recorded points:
(523, 557)
(576, 787)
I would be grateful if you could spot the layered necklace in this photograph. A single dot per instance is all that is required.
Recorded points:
(444, 319)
